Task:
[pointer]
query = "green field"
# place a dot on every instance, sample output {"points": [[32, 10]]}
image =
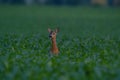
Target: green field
{"points": [[89, 43], [73, 21]]}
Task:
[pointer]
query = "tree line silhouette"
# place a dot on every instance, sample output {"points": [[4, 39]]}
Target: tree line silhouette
{"points": [[59, 2]]}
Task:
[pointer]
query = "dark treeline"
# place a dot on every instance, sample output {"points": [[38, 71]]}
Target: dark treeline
{"points": [[11, 1], [62, 2], [52, 2]]}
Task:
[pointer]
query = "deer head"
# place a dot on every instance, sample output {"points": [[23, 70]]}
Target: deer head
{"points": [[52, 33]]}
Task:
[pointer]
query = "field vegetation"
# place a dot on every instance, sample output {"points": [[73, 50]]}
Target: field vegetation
{"points": [[88, 40]]}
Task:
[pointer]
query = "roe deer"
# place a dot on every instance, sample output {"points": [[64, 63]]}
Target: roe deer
{"points": [[52, 35]]}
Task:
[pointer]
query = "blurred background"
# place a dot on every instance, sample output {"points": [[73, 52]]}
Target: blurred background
{"points": [[73, 17], [63, 2]]}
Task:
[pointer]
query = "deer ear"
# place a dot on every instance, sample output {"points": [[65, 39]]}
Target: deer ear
{"points": [[57, 30], [49, 30]]}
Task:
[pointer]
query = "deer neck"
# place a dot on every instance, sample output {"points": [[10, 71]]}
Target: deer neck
{"points": [[54, 44], [54, 48]]}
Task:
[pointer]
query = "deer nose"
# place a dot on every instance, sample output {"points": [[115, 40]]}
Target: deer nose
{"points": [[50, 36]]}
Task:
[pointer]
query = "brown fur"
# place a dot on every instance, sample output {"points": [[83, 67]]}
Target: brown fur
{"points": [[52, 35]]}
